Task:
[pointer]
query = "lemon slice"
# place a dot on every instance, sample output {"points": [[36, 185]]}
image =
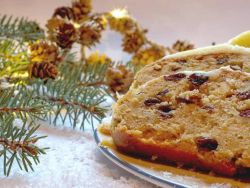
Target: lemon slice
{"points": [[242, 39]]}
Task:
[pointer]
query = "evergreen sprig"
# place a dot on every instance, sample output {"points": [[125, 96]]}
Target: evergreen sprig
{"points": [[20, 102], [17, 143], [70, 100], [20, 29]]}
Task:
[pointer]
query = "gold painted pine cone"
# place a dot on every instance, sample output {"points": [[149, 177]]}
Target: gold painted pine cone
{"points": [[44, 52], [119, 78], [81, 9], [66, 35], [133, 41], [180, 46], [43, 70], [89, 36], [148, 55], [64, 12]]}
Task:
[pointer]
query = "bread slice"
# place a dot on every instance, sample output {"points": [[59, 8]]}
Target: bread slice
{"points": [[207, 58], [196, 118]]}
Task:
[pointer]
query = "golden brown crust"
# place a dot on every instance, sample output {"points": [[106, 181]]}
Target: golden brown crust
{"points": [[132, 145]]}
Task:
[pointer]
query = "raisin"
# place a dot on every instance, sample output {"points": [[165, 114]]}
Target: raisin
{"points": [[165, 110], [209, 108], [183, 100], [244, 95], [222, 60], [162, 93], [245, 113], [175, 77], [152, 101], [191, 100], [206, 144], [198, 79]]}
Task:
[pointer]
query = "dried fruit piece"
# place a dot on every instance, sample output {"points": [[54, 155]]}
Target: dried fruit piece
{"points": [[175, 77], [191, 100], [198, 79], [245, 113], [244, 95], [162, 93], [206, 144], [183, 100], [209, 108], [165, 110], [152, 101]]}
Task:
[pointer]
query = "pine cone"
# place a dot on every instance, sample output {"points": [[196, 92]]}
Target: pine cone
{"points": [[81, 9], [97, 58], [44, 52], [66, 35], [100, 21], [180, 46], [89, 36], [148, 55], [119, 79], [43, 70], [121, 25], [133, 41], [64, 12]]}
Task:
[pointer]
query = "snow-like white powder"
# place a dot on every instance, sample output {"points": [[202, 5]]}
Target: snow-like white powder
{"points": [[72, 161]]}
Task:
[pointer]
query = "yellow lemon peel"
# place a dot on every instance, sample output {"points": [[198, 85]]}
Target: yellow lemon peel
{"points": [[242, 39]]}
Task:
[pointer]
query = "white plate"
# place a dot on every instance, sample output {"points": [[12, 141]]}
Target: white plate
{"points": [[162, 175]]}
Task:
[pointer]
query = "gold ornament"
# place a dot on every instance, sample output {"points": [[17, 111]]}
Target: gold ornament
{"points": [[81, 9], [180, 46], [53, 25], [97, 58], [64, 34], [133, 41], [42, 51], [89, 36], [43, 70], [119, 20], [64, 12], [119, 79], [148, 55]]}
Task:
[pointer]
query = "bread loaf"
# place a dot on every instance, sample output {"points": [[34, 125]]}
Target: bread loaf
{"points": [[198, 118]]}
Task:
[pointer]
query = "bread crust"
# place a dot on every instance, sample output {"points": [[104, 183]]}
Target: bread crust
{"points": [[132, 145]]}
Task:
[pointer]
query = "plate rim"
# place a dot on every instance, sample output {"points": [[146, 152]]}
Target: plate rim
{"points": [[133, 169]]}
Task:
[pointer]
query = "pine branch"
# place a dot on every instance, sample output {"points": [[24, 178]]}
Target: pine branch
{"points": [[71, 101], [94, 84], [60, 101], [20, 102], [18, 144], [19, 29]]}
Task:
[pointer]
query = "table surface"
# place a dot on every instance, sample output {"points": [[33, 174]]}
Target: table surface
{"points": [[73, 160]]}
